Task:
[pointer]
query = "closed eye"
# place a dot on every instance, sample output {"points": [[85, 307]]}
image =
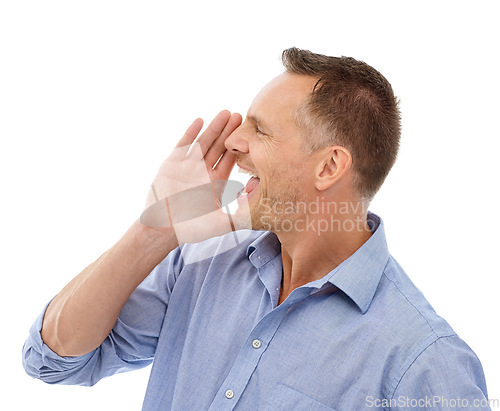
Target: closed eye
{"points": [[259, 131]]}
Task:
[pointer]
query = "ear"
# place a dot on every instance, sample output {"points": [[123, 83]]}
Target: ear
{"points": [[334, 162]]}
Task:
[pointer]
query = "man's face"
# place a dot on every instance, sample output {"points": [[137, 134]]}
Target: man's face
{"points": [[269, 145]]}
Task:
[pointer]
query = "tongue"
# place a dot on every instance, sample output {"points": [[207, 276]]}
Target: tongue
{"points": [[252, 184]]}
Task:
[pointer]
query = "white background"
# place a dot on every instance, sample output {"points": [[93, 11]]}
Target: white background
{"points": [[94, 94]]}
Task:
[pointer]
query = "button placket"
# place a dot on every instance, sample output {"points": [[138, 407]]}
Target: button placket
{"points": [[247, 359]]}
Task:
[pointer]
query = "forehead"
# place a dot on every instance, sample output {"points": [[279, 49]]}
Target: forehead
{"points": [[280, 98]]}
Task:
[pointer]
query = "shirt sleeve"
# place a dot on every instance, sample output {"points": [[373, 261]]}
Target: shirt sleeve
{"points": [[130, 345], [447, 375]]}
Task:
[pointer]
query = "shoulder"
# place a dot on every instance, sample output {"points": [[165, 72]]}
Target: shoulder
{"points": [[410, 308]]}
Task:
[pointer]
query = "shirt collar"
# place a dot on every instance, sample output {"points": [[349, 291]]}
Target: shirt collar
{"points": [[263, 249], [358, 276]]}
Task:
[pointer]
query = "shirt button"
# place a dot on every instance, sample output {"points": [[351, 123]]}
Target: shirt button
{"points": [[229, 394], [256, 343]]}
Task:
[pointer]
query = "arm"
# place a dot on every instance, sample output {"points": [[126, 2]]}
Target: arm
{"points": [[130, 345], [83, 314]]}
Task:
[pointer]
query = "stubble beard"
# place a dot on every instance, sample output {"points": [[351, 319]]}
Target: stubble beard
{"points": [[268, 213]]}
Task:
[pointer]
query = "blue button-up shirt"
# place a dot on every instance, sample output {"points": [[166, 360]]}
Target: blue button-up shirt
{"points": [[363, 336]]}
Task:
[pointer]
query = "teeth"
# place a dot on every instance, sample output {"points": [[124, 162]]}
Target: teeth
{"points": [[242, 170]]}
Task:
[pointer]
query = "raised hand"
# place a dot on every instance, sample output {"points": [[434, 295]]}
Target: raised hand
{"points": [[186, 193]]}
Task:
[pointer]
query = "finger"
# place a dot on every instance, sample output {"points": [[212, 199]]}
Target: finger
{"points": [[191, 133], [224, 167], [185, 143], [213, 130], [218, 148]]}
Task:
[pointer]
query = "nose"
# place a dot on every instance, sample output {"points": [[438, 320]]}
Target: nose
{"points": [[237, 142]]}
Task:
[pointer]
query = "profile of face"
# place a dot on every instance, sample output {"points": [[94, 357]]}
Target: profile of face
{"points": [[270, 146]]}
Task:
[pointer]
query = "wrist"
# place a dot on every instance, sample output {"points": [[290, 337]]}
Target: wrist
{"points": [[153, 239]]}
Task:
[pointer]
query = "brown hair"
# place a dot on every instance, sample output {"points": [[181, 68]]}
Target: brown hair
{"points": [[351, 105]]}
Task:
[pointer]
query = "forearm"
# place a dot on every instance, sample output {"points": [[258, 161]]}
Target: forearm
{"points": [[82, 315]]}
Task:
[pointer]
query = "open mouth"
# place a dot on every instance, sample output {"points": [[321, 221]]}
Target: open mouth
{"points": [[251, 184]]}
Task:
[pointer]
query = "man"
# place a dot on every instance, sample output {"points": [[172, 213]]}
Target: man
{"points": [[308, 311]]}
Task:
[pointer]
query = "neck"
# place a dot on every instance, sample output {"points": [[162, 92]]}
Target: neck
{"points": [[325, 242]]}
